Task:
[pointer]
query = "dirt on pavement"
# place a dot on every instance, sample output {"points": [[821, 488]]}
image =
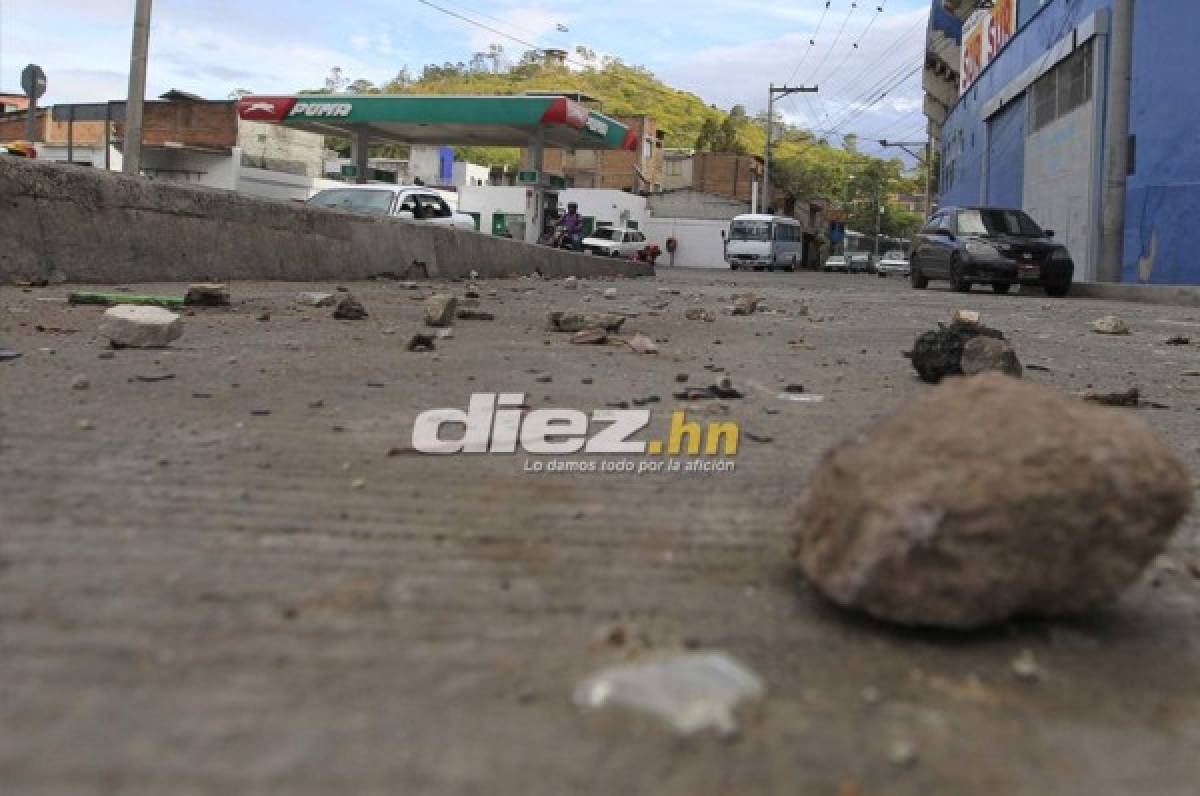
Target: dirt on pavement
{"points": [[222, 572]]}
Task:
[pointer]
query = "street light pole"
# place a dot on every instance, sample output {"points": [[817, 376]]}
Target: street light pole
{"points": [[781, 91], [137, 89]]}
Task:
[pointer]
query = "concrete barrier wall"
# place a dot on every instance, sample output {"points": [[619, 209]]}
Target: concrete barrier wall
{"points": [[69, 223]]}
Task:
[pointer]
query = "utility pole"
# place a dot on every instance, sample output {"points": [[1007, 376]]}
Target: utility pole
{"points": [[137, 89], [781, 91], [928, 161], [878, 220], [1117, 144]]}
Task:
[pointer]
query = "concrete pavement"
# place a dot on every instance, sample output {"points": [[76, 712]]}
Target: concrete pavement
{"points": [[220, 571]]}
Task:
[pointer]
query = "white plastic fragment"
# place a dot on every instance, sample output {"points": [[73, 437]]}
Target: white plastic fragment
{"points": [[691, 691]]}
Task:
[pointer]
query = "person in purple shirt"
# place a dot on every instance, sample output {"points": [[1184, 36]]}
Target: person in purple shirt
{"points": [[572, 224]]}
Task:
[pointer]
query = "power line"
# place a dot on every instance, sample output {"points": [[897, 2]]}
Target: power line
{"points": [[836, 39], [812, 42], [879, 97]]}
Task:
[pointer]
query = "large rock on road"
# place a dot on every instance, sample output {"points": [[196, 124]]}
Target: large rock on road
{"points": [[988, 498]]}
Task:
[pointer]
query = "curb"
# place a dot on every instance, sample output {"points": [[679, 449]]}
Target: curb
{"points": [[1173, 295]]}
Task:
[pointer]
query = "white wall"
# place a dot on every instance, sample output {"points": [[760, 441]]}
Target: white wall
{"points": [[607, 207], [470, 174], [700, 241], [277, 185]]}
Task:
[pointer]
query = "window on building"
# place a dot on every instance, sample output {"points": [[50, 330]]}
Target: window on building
{"points": [[1063, 89], [674, 168]]}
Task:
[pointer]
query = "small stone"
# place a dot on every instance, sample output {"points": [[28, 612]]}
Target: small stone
{"points": [[445, 334], [358, 483], [966, 317], [317, 299], [590, 337], [1026, 667], [84, 424], [439, 310], [349, 309], [610, 293], [571, 283], [474, 315], [264, 317], [902, 753], [132, 326], [700, 314], [1110, 324], [80, 382], [905, 521], [420, 343], [870, 695], [983, 354], [572, 321], [207, 295], [745, 305], [643, 344]]}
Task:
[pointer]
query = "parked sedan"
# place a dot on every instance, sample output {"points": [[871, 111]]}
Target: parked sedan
{"points": [[614, 242], [997, 246], [893, 262], [408, 202], [861, 263], [836, 262]]}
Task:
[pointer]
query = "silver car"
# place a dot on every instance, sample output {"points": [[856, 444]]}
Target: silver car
{"points": [[893, 262], [835, 262]]}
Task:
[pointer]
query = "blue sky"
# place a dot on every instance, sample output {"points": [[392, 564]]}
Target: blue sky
{"points": [[727, 52]]}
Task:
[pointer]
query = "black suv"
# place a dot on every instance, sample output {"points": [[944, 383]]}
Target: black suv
{"points": [[989, 244]]}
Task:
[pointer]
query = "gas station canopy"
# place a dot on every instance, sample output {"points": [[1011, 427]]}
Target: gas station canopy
{"points": [[445, 120]]}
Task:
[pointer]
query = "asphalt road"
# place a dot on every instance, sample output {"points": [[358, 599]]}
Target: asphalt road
{"points": [[214, 578]]}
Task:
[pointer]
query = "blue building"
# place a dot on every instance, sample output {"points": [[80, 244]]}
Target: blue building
{"points": [[1026, 120]]}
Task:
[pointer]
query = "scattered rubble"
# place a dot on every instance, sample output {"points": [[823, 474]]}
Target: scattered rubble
{"points": [[1129, 399], [575, 321], [317, 299], [131, 326], [700, 314], [207, 294], [691, 691], [746, 304], [938, 353], [714, 392], [1097, 498], [349, 309], [983, 354], [421, 342], [590, 337], [1110, 324], [643, 344], [439, 311], [474, 315], [1025, 667]]}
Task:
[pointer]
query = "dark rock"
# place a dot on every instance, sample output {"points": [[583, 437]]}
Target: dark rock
{"points": [[983, 354], [349, 309], [938, 353]]}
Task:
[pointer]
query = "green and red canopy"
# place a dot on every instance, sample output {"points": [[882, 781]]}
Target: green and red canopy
{"points": [[462, 121]]}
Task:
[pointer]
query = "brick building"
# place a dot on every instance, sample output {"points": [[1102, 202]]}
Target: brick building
{"points": [[621, 170], [13, 102]]}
